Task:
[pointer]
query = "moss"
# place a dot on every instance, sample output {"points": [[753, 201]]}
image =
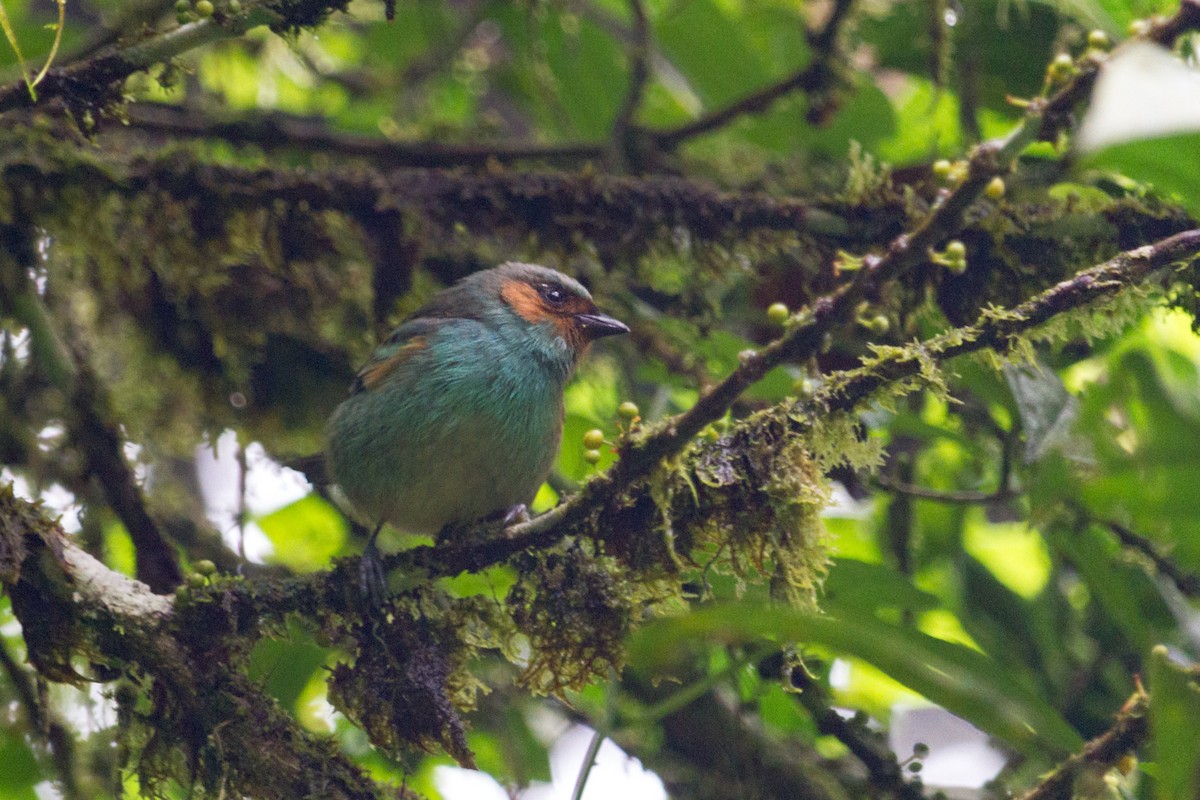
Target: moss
{"points": [[576, 609]]}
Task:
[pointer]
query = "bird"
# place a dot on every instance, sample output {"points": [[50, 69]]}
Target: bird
{"points": [[457, 415]]}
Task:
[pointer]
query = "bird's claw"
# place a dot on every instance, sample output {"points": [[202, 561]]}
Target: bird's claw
{"points": [[372, 582]]}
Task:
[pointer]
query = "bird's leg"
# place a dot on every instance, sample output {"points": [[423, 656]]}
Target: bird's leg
{"points": [[371, 580]]}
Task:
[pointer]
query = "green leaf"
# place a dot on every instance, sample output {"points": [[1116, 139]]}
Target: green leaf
{"points": [[1048, 412], [862, 587], [306, 534], [1171, 164], [709, 47], [1124, 591], [960, 679], [1174, 709], [285, 666], [20, 769]]}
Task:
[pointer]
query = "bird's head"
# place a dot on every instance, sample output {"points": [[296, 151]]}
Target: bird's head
{"points": [[552, 305]]}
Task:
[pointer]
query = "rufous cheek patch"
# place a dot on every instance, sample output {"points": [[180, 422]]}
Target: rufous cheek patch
{"points": [[524, 299]]}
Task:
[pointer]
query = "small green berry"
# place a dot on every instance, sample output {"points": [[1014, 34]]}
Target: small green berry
{"points": [[182, 593], [995, 188], [204, 8], [804, 387], [879, 324], [1139, 27], [942, 167], [1061, 68], [920, 749], [235, 7], [183, 17], [956, 250], [1098, 40], [778, 313], [915, 766], [205, 567], [628, 410], [182, 6], [196, 580], [591, 456], [593, 439]]}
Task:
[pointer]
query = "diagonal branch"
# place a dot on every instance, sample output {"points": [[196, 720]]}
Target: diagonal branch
{"points": [[1127, 734], [816, 78], [90, 418], [1187, 582]]}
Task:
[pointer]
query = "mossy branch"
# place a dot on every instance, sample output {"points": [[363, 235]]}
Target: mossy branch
{"points": [[620, 511], [96, 83], [232, 734], [804, 338], [70, 604]]}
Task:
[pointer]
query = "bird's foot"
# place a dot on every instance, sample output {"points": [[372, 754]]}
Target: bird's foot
{"points": [[518, 513], [481, 530], [372, 582]]}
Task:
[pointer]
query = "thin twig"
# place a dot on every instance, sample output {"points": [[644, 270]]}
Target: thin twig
{"points": [[277, 130], [1187, 582], [92, 82], [589, 761], [883, 770], [1127, 734], [949, 498], [815, 78], [623, 136]]}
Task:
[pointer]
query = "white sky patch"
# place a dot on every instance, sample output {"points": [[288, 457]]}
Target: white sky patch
{"points": [[1143, 92], [615, 774], [268, 487], [960, 755]]}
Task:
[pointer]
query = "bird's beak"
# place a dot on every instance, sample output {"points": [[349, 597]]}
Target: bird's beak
{"points": [[596, 326]]}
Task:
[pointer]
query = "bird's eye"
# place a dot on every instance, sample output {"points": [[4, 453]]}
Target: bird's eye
{"points": [[553, 294]]}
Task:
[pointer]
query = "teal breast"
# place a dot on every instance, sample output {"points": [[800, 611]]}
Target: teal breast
{"points": [[463, 426]]}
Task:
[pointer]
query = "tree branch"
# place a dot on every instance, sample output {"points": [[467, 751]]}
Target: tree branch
{"points": [[816, 78], [1187, 582], [1127, 734], [883, 770], [281, 131], [232, 734], [94, 84]]}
